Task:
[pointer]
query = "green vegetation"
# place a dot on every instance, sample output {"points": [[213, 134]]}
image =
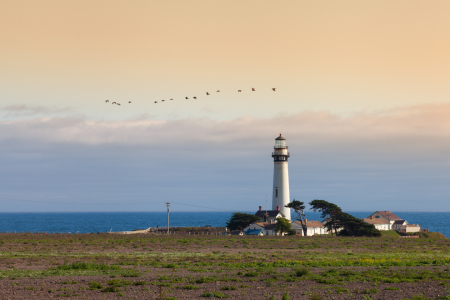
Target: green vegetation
{"points": [[215, 295], [275, 264], [239, 221]]}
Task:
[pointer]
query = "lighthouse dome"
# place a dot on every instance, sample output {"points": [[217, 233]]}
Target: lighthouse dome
{"points": [[280, 142]]}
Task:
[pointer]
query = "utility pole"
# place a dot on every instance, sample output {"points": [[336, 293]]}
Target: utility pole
{"points": [[389, 218], [168, 211]]}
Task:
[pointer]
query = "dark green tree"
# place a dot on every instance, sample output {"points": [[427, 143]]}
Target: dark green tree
{"points": [[299, 209], [239, 221], [336, 218], [283, 226], [356, 227], [330, 211]]}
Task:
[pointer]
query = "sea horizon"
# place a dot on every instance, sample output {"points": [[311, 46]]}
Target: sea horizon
{"points": [[88, 222]]}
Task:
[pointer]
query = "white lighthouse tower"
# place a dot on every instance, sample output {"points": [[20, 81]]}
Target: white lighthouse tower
{"points": [[280, 193]]}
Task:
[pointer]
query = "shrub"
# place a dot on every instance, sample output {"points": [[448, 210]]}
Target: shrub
{"points": [[190, 287], [251, 274], [391, 288], [229, 288], [94, 285], [215, 295], [370, 291], [301, 272], [316, 296], [111, 289], [285, 297], [87, 266]]}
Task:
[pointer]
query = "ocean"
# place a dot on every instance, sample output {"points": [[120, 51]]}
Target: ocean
{"points": [[117, 221]]}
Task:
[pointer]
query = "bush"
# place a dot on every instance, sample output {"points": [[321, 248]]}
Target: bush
{"points": [[111, 289], [370, 291], [190, 287], [229, 288], [94, 285], [285, 297], [215, 295], [87, 266], [301, 272]]}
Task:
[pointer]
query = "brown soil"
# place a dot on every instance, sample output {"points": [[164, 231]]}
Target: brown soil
{"points": [[77, 287]]}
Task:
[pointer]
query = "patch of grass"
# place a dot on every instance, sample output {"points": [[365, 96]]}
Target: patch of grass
{"points": [[251, 274], [370, 291], [228, 288], [118, 282], [391, 288], [111, 289], [215, 295], [30, 288], [87, 266], [69, 282], [301, 272], [140, 283], [94, 285], [189, 287]]}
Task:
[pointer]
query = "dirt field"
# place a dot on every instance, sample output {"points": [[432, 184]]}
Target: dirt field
{"points": [[110, 266]]}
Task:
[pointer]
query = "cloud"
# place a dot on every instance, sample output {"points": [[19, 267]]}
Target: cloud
{"points": [[31, 110], [394, 158]]}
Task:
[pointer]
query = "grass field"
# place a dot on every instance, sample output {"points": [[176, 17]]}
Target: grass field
{"points": [[99, 266]]}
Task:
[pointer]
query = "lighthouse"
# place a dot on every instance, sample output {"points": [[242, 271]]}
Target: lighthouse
{"points": [[280, 193]]}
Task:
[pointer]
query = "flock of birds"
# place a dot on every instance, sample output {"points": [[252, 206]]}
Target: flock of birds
{"points": [[187, 98]]}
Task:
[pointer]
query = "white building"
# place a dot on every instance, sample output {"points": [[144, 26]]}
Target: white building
{"points": [[379, 223], [270, 216], [313, 228], [386, 215], [409, 228], [280, 193]]}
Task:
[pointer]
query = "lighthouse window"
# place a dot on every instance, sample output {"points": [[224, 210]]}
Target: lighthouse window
{"points": [[276, 192]]}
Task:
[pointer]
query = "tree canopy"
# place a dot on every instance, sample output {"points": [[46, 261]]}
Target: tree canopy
{"points": [[299, 209], [336, 218], [356, 227], [283, 226], [239, 221], [330, 211]]}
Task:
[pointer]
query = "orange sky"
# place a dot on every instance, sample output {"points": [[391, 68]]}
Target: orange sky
{"points": [[341, 56]]}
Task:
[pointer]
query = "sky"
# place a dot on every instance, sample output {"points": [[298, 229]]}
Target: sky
{"points": [[362, 96]]}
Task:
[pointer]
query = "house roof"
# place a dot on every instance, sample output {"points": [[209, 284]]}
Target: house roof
{"points": [[315, 224], [375, 221], [413, 225], [270, 213], [270, 226], [399, 222], [235, 232], [389, 215], [262, 224], [253, 231]]}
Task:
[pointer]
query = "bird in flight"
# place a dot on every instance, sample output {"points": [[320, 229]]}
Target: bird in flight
{"points": [[156, 101], [186, 98], [107, 101], [239, 91], [217, 91], [253, 89], [207, 94], [129, 101], [163, 100], [273, 89], [114, 103], [195, 98], [171, 99], [118, 103]]}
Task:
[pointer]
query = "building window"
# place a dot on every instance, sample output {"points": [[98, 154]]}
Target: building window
{"points": [[276, 192]]}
